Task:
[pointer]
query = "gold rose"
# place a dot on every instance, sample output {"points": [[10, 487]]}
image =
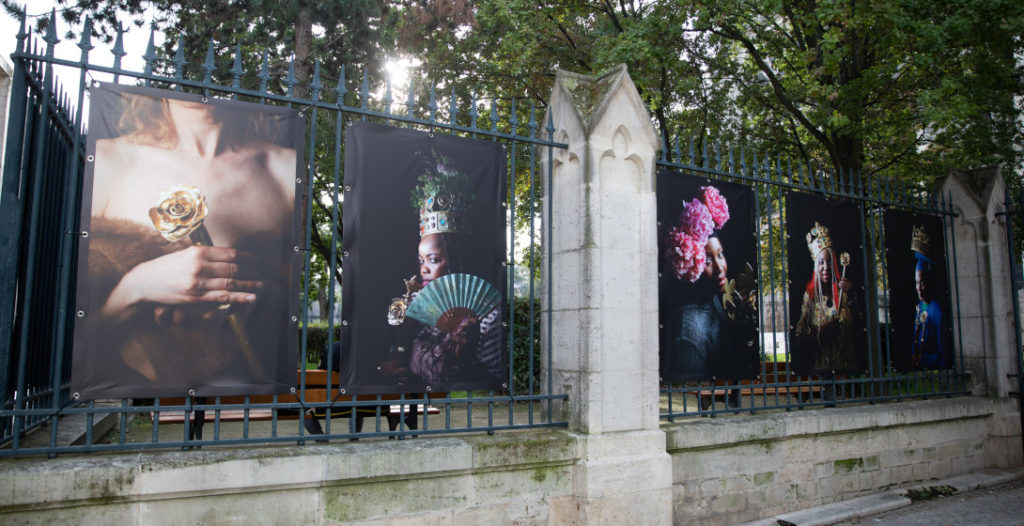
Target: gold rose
{"points": [[180, 212]]}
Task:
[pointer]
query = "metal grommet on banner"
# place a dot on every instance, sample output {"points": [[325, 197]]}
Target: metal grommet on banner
{"points": [[296, 248], [430, 134], [90, 158], [75, 396], [504, 385], [81, 313], [204, 99], [85, 233], [291, 390], [344, 253], [428, 388], [295, 318], [348, 188], [191, 392], [344, 322], [504, 324], [95, 83], [298, 180], [301, 114], [341, 390]]}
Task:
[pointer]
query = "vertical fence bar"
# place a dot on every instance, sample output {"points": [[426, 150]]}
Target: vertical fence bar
{"points": [[1008, 214]]}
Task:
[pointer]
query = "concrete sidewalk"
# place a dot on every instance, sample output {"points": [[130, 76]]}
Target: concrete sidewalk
{"points": [[999, 501]]}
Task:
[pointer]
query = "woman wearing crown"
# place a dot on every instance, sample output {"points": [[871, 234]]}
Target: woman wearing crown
{"points": [[930, 346], [827, 321], [458, 345]]}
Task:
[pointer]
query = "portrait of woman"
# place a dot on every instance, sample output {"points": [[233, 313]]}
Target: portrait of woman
{"points": [[186, 276], [708, 293], [426, 309], [829, 332]]}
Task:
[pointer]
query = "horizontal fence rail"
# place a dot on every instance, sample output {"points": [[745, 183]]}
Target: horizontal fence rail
{"points": [[42, 203], [776, 387]]}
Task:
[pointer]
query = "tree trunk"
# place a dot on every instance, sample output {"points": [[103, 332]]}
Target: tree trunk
{"points": [[303, 48]]}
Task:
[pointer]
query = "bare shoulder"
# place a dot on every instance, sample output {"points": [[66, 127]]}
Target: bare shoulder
{"points": [[112, 158]]}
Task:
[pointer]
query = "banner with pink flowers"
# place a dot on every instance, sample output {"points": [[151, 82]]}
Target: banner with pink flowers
{"points": [[825, 261], [190, 246], [708, 286]]}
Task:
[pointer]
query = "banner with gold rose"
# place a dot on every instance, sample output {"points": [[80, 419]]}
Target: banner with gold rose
{"points": [[186, 275], [424, 300]]}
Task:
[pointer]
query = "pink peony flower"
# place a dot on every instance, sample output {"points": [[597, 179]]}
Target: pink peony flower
{"points": [[686, 254], [716, 204], [697, 221]]}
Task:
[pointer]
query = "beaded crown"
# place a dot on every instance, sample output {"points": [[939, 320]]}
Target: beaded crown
{"points": [[920, 241], [818, 239], [441, 197]]}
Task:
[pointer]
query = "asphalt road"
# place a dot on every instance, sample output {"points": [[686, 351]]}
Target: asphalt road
{"points": [[995, 506]]}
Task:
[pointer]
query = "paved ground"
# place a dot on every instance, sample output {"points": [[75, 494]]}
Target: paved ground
{"points": [[996, 506], [993, 497]]}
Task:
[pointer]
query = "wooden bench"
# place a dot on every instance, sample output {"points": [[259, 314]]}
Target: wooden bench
{"points": [[773, 373], [316, 391]]}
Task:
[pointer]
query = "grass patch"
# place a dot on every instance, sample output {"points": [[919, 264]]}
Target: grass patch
{"points": [[930, 492]]}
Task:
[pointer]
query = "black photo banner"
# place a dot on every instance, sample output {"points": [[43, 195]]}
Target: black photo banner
{"points": [[826, 285], [708, 285], [186, 278], [919, 297], [424, 295]]}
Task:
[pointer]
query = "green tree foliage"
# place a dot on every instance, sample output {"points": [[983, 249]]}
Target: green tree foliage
{"points": [[909, 88]]}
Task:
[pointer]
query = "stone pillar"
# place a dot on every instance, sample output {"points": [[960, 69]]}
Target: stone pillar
{"points": [[604, 300], [983, 266], [6, 70]]}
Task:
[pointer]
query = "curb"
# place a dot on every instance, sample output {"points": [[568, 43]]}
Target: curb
{"points": [[887, 501]]}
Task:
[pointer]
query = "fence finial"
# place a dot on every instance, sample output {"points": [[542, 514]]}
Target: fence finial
{"points": [[494, 114], [387, 95], [473, 113], [340, 90], [290, 79], [22, 32], [150, 56], [431, 102], [264, 74], [410, 100], [315, 85], [364, 91], [513, 122], [533, 123], [85, 43], [51, 34], [208, 64], [236, 70], [453, 109], [179, 61], [118, 50]]}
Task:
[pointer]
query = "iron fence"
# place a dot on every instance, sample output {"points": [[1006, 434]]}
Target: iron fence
{"points": [[777, 387], [39, 233]]}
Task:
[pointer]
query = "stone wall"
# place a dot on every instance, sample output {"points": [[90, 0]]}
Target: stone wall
{"points": [[521, 477], [724, 470], [736, 469]]}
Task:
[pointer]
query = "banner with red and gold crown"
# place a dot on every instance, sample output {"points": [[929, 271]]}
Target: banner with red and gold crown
{"points": [[827, 306]]}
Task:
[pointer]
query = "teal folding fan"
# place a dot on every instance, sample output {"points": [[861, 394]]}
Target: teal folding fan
{"points": [[446, 301]]}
